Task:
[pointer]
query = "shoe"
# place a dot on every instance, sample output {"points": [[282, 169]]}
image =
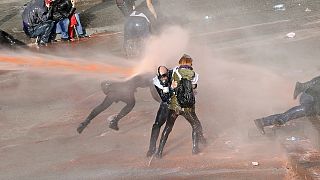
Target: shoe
{"points": [[297, 90], [202, 140], [195, 150], [81, 127], [42, 43], [83, 36], [151, 152], [158, 155], [114, 125], [260, 126], [65, 39]]}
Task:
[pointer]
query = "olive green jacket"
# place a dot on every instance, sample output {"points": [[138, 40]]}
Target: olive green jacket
{"points": [[185, 73]]}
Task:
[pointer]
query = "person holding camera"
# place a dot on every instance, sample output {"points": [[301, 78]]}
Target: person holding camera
{"points": [[37, 20]]}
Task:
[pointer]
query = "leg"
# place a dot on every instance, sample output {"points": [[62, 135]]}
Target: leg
{"points": [[195, 131], [97, 110], [280, 119], [43, 30], [124, 111], [62, 27], [172, 116], [161, 118], [202, 139], [79, 26]]}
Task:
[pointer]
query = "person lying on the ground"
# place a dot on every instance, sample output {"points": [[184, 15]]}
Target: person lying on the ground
{"points": [[309, 106], [162, 83], [120, 91], [37, 20], [8, 41], [182, 102], [63, 15]]}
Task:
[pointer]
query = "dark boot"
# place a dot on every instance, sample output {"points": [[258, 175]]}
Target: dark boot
{"points": [[160, 149], [153, 140], [260, 125], [202, 139], [114, 124], [301, 87], [195, 143], [82, 126], [297, 90]]}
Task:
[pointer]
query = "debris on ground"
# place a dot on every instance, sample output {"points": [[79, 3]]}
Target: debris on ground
{"points": [[279, 7], [291, 35]]}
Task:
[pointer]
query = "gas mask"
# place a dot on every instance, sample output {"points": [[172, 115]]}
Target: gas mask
{"points": [[164, 79]]}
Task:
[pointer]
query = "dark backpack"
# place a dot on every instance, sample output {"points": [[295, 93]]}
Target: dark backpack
{"points": [[184, 93]]}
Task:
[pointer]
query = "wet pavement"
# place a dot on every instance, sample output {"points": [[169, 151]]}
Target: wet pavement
{"points": [[248, 68]]}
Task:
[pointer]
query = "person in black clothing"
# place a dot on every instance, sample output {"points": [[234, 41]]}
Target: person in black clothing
{"points": [[37, 20], [162, 83], [309, 105], [120, 91]]}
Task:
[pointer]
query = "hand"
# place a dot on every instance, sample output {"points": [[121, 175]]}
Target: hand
{"points": [[174, 84]]}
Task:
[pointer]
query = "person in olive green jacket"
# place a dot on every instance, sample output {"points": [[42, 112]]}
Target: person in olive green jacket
{"points": [[184, 70]]}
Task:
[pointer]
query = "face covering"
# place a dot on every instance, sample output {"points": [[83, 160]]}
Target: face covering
{"points": [[163, 81]]}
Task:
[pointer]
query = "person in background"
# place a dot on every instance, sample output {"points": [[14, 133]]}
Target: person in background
{"points": [[309, 105], [66, 19], [37, 20]]}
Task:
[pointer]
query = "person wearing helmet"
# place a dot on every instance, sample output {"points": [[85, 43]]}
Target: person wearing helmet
{"points": [[309, 105], [183, 73], [37, 20], [162, 83]]}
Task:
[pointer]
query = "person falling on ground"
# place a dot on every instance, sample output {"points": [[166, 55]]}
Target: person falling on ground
{"points": [[309, 105], [37, 20], [120, 91]]}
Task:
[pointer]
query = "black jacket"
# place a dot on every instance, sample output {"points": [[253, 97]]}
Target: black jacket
{"points": [[165, 96], [62, 9], [36, 13]]}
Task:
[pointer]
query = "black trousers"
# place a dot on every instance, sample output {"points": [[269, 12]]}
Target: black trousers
{"points": [[161, 118], [43, 31], [192, 118], [306, 108], [130, 103]]}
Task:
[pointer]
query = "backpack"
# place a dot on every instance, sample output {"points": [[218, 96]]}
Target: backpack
{"points": [[184, 92]]}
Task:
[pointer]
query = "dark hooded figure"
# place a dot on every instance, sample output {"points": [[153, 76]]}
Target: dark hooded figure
{"points": [[37, 20], [120, 91], [309, 105]]}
